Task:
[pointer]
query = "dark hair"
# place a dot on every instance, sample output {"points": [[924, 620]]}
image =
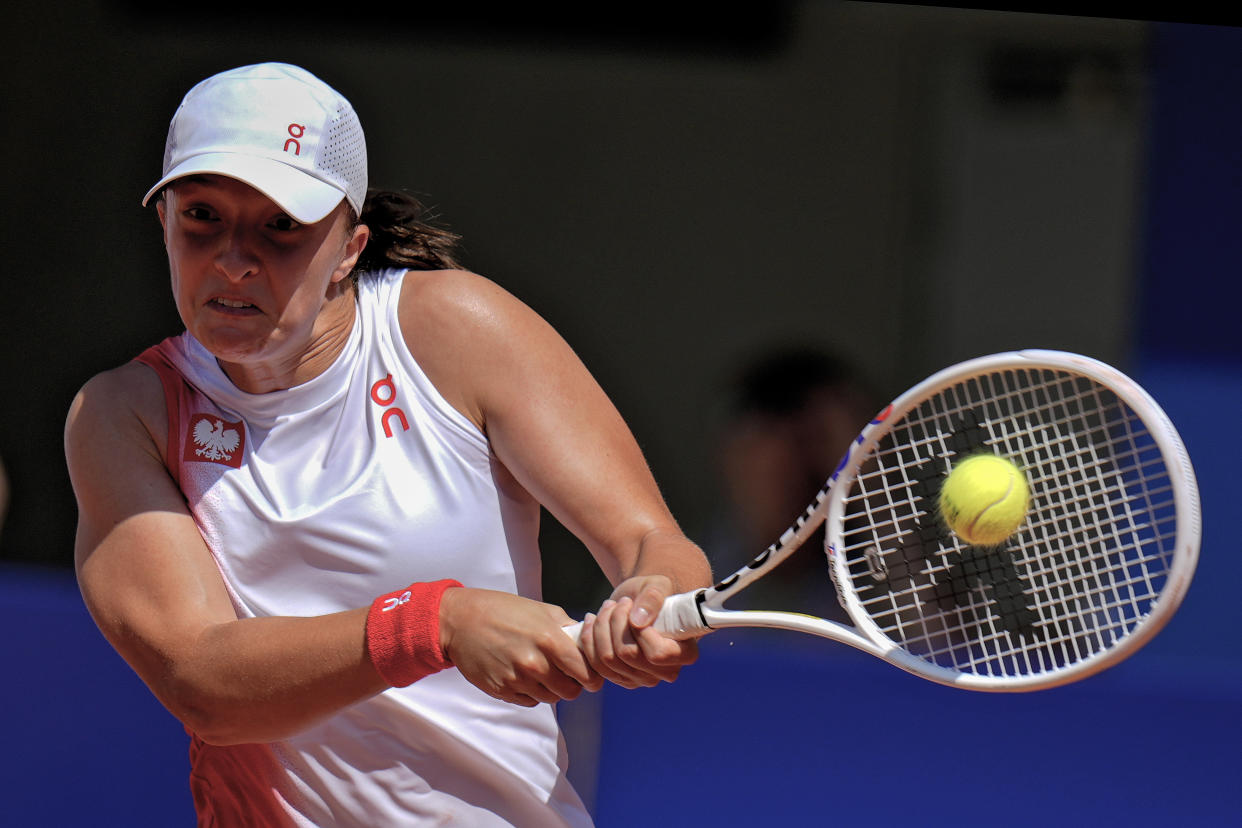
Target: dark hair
{"points": [[403, 235]]}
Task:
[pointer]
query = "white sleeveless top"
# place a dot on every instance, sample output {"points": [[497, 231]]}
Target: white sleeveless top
{"points": [[319, 498]]}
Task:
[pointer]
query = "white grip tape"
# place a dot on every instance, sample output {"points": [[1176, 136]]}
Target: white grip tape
{"points": [[678, 618]]}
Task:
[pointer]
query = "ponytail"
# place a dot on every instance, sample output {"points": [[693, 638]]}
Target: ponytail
{"points": [[403, 237]]}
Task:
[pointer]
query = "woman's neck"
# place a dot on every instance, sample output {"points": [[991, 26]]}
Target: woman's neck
{"points": [[327, 340]]}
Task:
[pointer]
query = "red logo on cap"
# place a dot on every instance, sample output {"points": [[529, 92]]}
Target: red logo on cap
{"points": [[301, 130]]}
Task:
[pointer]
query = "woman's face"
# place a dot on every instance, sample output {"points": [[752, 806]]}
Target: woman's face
{"points": [[253, 285]]}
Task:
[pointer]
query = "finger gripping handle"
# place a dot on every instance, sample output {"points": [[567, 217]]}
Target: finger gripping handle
{"points": [[679, 618]]}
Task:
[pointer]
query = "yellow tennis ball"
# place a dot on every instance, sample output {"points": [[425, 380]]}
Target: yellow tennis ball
{"points": [[985, 499]]}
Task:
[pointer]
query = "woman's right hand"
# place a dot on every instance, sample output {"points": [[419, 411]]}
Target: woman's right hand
{"points": [[513, 648]]}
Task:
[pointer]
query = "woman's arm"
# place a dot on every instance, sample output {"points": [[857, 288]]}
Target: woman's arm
{"points": [[563, 440], [153, 588]]}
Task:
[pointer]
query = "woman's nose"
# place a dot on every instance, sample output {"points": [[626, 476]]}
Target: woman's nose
{"points": [[235, 258]]}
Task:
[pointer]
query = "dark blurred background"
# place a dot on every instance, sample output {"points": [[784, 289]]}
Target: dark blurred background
{"points": [[677, 188], [680, 188]]}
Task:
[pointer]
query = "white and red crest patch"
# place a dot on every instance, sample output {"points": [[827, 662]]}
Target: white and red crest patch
{"points": [[212, 440]]}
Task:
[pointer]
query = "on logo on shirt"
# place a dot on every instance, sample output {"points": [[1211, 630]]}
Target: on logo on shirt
{"points": [[384, 394]]}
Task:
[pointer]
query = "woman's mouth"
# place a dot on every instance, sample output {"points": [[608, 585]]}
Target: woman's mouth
{"points": [[233, 306]]}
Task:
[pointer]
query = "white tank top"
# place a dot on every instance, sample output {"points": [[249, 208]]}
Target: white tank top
{"points": [[319, 498]]}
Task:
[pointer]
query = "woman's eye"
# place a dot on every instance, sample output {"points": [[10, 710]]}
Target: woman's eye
{"points": [[198, 213], [284, 223]]}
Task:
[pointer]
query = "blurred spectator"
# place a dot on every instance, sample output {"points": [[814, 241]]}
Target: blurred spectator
{"points": [[792, 413]]}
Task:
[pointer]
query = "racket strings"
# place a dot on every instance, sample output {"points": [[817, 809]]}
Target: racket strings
{"points": [[1084, 568]]}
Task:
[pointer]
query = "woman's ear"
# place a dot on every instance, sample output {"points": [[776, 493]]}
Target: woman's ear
{"points": [[354, 245]]}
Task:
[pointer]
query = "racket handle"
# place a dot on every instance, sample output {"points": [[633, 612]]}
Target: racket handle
{"points": [[574, 631], [679, 618]]}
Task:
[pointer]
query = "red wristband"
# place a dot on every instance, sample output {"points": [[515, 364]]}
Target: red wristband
{"points": [[403, 633]]}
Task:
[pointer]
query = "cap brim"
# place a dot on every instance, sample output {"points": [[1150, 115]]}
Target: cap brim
{"points": [[301, 195]]}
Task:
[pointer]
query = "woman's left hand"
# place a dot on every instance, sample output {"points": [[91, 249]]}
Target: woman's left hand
{"points": [[621, 644]]}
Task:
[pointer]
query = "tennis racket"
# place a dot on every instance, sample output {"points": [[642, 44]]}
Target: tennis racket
{"points": [[1099, 565]]}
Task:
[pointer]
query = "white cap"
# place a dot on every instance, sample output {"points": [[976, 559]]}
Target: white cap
{"points": [[277, 128]]}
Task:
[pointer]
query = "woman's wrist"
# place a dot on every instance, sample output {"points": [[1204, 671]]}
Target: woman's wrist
{"points": [[403, 633]]}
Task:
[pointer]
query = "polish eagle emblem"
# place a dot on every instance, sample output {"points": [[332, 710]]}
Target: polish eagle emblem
{"points": [[214, 440]]}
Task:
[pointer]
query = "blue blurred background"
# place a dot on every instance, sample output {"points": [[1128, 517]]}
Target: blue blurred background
{"points": [[904, 186]]}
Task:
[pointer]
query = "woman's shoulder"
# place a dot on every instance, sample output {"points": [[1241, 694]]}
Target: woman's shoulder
{"points": [[130, 385], [467, 333], [462, 290], [459, 305], [125, 402]]}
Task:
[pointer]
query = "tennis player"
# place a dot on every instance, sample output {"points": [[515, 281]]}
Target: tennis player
{"points": [[309, 522]]}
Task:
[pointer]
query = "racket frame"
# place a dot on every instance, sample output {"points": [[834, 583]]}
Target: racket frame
{"points": [[701, 611]]}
